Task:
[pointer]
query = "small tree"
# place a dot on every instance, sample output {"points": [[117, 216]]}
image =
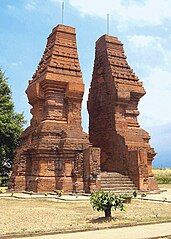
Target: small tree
{"points": [[105, 201], [11, 124]]}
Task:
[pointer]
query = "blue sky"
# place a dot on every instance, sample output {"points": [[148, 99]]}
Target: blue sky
{"points": [[143, 26]]}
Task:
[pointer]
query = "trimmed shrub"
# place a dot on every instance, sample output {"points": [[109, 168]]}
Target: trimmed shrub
{"points": [[106, 201]]}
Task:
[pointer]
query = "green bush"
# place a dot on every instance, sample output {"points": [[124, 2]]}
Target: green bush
{"points": [[163, 176], [127, 198], [59, 193], [4, 181], [163, 179], [105, 201]]}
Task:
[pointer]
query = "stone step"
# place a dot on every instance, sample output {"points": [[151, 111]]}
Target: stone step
{"points": [[129, 192], [118, 188], [111, 173], [114, 176], [116, 185], [116, 182], [116, 179]]}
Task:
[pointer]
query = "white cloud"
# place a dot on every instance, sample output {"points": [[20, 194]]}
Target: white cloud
{"points": [[16, 64], [57, 1], [30, 6], [95, 7], [10, 7], [141, 41], [152, 48], [148, 51], [85, 98], [155, 106], [148, 12]]}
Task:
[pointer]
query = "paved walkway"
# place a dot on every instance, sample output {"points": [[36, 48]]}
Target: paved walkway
{"points": [[163, 196], [135, 232], [51, 197]]}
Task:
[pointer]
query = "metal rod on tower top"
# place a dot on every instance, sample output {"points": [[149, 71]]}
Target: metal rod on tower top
{"points": [[108, 22], [62, 12]]}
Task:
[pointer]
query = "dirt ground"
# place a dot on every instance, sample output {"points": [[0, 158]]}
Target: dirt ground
{"points": [[40, 215]]}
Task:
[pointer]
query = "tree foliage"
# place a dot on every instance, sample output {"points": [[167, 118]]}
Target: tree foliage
{"points": [[105, 201], [11, 126]]}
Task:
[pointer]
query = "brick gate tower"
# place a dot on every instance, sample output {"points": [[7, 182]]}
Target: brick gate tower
{"points": [[55, 153], [112, 105]]}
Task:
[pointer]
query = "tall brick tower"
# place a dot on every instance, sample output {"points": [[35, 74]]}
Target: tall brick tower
{"points": [[112, 105], [55, 153]]}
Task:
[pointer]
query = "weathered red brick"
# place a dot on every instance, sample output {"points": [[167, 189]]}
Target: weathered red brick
{"points": [[51, 154], [112, 105]]}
